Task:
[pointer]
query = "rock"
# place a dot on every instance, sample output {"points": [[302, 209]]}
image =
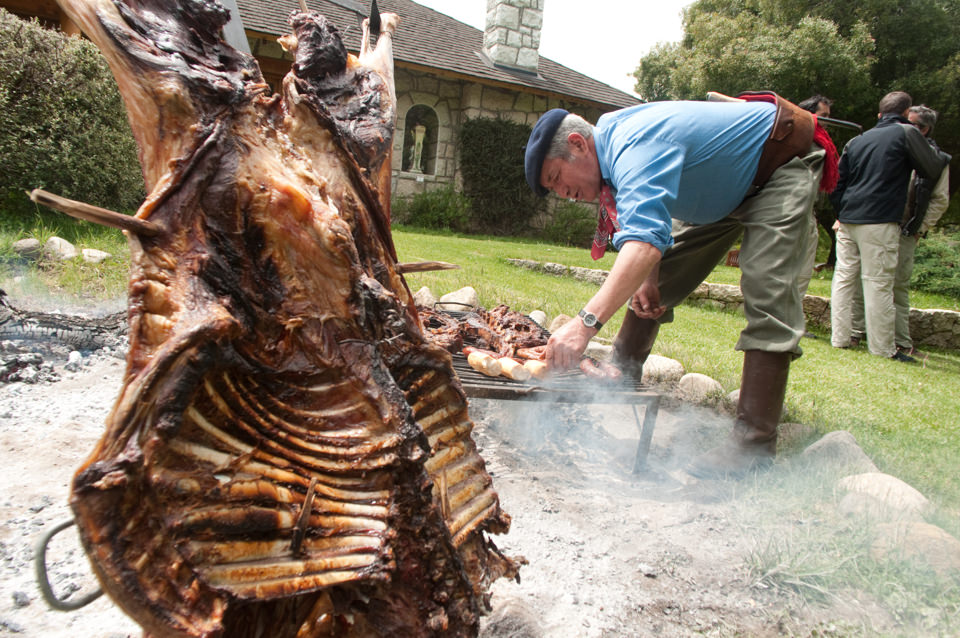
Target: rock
{"points": [[555, 269], [29, 248], [699, 388], [894, 495], [866, 506], [94, 256], [74, 361], [540, 317], [663, 370], [839, 448], [558, 322], [424, 298], [59, 249], [589, 275], [463, 300], [11, 626], [918, 540], [598, 351], [20, 599]]}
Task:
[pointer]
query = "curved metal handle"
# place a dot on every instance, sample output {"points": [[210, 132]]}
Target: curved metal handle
{"points": [[40, 566]]}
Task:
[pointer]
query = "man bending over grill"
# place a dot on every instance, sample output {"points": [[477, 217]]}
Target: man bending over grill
{"points": [[686, 179]]}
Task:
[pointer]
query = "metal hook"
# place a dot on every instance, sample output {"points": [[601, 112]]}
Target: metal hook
{"points": [[46, 589]]}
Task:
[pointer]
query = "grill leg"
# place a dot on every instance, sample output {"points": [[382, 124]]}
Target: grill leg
{"points": [[646, 432]]}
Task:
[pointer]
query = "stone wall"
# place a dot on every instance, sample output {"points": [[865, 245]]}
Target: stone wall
{"points": [[937, 328], [455, 101]]}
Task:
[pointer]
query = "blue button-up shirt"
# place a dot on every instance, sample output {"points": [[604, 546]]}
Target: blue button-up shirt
{"points": [[693, 161]]}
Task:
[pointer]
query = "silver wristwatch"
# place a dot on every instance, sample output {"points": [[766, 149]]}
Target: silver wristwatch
{"points": [[589, 319]]}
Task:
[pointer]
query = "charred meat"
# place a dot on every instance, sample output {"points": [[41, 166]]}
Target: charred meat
{"points": [[289, 456]]}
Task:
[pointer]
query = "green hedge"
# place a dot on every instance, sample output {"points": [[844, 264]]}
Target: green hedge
{"points": [[936, 265], [439, 209], [572, 224], [491, 162], [63, 126]]}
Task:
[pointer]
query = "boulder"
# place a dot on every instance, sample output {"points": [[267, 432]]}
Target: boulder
{"points": [[59, 249], [661, 370], [94, 256], [464, 300], [555, 269], [424, 298], [558, 322], [893, 494], [918, 540], [699, 388], [540, 317], [599, 351], [28, 248], [840, 449]]}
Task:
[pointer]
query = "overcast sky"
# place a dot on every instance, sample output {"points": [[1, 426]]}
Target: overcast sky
{"points": [[605, 44]]}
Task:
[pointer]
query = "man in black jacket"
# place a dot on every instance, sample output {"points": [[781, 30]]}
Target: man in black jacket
{"points": [[869, 199]]}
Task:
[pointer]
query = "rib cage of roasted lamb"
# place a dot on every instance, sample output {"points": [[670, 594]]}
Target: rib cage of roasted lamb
{"points": [[288, 456]]}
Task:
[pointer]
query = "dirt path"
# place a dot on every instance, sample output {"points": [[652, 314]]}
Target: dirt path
{"points": [[610, 553]]}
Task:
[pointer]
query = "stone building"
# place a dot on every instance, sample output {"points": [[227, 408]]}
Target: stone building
{"points": [[446, 71]]}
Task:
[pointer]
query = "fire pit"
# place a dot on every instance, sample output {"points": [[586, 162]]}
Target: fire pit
{"points": [[568, 387]]}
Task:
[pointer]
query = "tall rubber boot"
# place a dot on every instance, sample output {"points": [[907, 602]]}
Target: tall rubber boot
{"points": [[753, 442], [633, 344]]}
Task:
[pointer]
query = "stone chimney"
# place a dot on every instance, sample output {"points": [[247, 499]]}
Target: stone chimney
{"points": [[512, 36]]}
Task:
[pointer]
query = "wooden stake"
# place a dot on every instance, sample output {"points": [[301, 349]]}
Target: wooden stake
{"points": [[426, 266], [300, 529], [96, 214]]}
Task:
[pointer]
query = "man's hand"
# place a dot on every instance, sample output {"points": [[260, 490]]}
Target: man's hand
{"points": [[567, 344], [646, 301]]}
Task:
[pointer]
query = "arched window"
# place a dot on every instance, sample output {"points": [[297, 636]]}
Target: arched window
{"points": [[420, 140]]}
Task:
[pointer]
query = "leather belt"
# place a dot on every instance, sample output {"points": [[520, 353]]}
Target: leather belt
{"points": [[791, 136]]}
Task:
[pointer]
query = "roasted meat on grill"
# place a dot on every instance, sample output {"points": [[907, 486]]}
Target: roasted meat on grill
{"points": [[288, 455]]}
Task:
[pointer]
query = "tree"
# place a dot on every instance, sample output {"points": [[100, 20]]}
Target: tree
{"points": [[63, 126], [731, 53], [853, 52]]}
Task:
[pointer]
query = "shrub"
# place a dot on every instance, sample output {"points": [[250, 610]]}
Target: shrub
{"points": [[936, 266], [491, 162], [63, 126], [440, 208], [572, 225]]}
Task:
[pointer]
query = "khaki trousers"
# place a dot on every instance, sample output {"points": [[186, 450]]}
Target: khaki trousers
{"points": [[901, 297], [867, 257], [810, 257], [776, 232]]}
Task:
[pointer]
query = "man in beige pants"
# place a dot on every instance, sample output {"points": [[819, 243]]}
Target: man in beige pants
{"points": [[869, 199], [926, 202]]}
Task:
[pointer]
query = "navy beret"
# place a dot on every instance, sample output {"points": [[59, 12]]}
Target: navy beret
{"points": [[538, 145]]}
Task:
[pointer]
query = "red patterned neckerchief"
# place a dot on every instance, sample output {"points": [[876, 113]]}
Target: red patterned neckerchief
{"points": [[607, 223]]}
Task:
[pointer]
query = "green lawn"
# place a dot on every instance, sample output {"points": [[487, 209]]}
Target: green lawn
{"points": [[906, 417]]}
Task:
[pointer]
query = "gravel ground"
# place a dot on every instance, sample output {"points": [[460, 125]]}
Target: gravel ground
{"points": [[611, 554]]}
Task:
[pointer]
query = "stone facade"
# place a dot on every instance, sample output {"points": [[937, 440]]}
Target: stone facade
{"points": [[512, 35], [444, 104]]}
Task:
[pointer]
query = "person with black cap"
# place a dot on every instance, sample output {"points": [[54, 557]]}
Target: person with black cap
{"points": [[687, 178]]}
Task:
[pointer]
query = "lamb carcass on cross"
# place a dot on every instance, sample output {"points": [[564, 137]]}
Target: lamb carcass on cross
{"points": [[288, 456]]}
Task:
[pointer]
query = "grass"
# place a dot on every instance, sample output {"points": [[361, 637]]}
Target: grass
{"points": [[802, 544], [906, 418]]}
